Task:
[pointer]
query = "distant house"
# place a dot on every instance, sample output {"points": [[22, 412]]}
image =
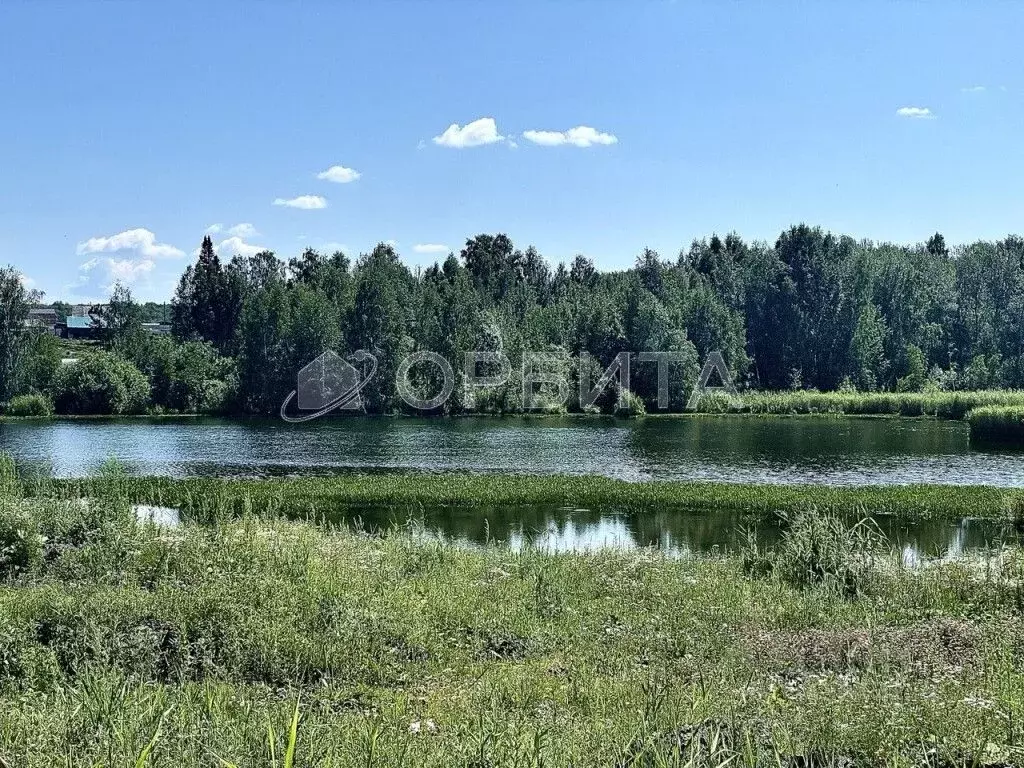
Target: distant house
{"points": [[43, 319], [83, 327], [160, 329]]}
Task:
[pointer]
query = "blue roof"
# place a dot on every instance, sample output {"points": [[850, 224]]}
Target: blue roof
{"points": [[79, 321]]}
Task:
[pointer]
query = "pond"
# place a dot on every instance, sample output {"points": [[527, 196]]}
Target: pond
{"points": [[836, 451], [678, 531]]}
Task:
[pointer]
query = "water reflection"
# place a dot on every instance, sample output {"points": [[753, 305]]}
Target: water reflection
{"points": [[757, 450], [674, 530]]}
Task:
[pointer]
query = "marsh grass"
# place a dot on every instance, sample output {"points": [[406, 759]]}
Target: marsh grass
{"points": [[941, 404], [211, 500], [997, 425], [245, 638], [251, 640], [819, 549]]}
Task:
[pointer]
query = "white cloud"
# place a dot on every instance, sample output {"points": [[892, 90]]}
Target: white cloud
{"points": [[100, 274], [475, 134], [580, 136], [920, 113], [974, 89], [142, 241], [243, 230], [235, 246], [430, 248], [339, 174], [213, 229], [305, 202], [26, 281]]}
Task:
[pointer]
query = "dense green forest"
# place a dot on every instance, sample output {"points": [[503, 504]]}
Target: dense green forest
{"points": [[814, 310]]}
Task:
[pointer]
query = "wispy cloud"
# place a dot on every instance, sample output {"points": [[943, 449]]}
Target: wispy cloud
{"points": [[580, 136], [141, 241], [339, 174], [474, 134], [917, 113], [430, 248], [305, 202], [213, 229], [974, 89]]}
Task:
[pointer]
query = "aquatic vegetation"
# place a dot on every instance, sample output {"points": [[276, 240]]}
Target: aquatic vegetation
{"points": [[210, 499], [997, 425], [820, 549], [942, 404]]}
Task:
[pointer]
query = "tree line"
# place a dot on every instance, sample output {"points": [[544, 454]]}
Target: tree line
{"points": [[813, 310]]}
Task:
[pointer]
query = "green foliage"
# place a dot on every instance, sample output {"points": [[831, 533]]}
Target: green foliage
{"points": [[821, 549], [997, 425], [15, 301], [258, 641], [810, 311], [629, 405], [916, 374], [21, 543], [100, 383], [29, 405]]}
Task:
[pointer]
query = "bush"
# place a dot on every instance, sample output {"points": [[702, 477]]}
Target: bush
{"points": [[819, 549], [997, 425], [629, 404], [101, 383], [21, 544], [29, 405]]}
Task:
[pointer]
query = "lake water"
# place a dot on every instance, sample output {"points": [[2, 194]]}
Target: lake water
{"points": [[836, 451]]}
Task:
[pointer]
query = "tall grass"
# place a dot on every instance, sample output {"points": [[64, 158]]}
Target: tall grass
{"points": [[997, 425], [258, 641], [947, 405], [211, 500]]}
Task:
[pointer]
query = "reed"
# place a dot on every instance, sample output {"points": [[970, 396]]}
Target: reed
{"points": [[940, 404], [211, 500], [997, 425]]}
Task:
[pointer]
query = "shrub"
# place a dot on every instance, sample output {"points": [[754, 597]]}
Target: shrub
{"points": [[101, 383], [629, 404], [997, 425], [21, 544], [819, 549], [29, 405]]}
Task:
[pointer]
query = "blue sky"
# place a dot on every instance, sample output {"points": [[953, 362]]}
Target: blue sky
{"points": [[129, 129]]}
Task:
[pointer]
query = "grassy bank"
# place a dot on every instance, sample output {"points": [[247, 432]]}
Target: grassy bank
{"points": [[947, 405], [997, 425], [938, 404], [321, 498], [127, 644]]}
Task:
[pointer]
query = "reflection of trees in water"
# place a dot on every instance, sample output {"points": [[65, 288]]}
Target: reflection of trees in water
{"points": [[673, 529], [772, 439]]}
